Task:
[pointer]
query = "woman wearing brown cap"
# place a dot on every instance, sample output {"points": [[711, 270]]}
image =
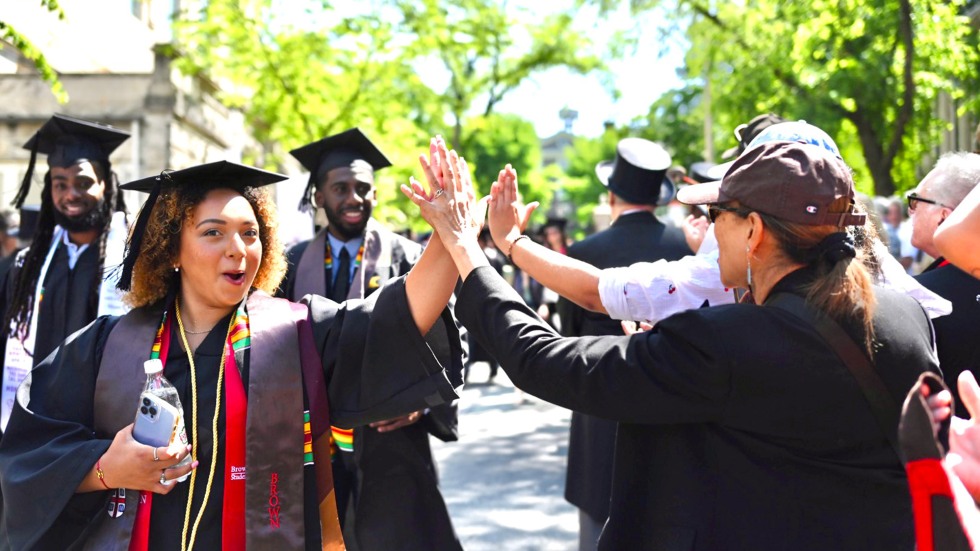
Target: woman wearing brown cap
{"points": [[740, 426]]}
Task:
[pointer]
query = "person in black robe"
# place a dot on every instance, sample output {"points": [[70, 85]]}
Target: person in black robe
{"points": [[387, 485], [189, 269], [79, 201], [740, 426]]}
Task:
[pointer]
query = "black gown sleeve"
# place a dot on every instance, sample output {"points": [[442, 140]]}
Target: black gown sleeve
{"points": [[376, 364], [677, 373], [49, 446]]}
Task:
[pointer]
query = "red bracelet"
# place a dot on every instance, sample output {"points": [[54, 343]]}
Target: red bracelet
{"points": [[100, 474]]}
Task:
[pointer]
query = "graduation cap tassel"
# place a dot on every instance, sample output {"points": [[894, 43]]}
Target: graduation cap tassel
{"points": [[305, 202], [25, 186], [136, 239]]}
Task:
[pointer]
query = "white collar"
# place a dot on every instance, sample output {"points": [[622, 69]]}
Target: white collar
{"points": [[74, 251]]}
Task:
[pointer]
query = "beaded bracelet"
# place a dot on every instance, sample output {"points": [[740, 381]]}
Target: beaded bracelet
{"points": [[510, 251], [100, 473]]}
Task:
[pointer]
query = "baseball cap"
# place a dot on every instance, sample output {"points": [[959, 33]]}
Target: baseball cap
{"points": [[791, 181]]}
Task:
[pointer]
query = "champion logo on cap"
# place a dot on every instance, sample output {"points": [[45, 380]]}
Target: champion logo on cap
{"points": [[812, 209]]}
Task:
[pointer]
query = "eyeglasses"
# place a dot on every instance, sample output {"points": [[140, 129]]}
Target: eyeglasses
{"points": [[914, 199], [715, 210]]}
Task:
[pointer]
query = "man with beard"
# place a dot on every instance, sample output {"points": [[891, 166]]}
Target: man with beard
{"points": [[80, 237], [385, 480]]}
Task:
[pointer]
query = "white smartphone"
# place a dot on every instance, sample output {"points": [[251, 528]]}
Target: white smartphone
{"points": [[156, 421]]}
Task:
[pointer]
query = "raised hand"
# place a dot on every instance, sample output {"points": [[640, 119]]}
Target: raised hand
{"points": [[449, 205], [507, 215]]}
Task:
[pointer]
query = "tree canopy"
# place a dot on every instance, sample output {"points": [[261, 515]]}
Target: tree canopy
{"points": [[299, 82], [869, 72]]}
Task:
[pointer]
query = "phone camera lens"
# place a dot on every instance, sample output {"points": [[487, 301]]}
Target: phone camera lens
{"points": [[143, 410], [146, 401], [153, 411]]}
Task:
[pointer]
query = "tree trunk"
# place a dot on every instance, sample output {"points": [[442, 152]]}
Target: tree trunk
{"points": [[879, 164]]}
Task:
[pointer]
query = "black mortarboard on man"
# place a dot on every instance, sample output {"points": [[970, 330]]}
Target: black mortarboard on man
{"points": [[68, 141], [205, 177], [350, 149]]}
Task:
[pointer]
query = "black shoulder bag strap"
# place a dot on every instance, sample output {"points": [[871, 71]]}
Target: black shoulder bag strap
{"points": [[883, 404]]}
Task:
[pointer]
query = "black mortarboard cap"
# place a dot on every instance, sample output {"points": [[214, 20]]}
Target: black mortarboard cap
{"points": [[217, 174], [349, 148], [67, 141]]}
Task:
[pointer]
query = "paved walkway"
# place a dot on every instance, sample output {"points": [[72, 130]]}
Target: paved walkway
{"points": [[504, 480]]}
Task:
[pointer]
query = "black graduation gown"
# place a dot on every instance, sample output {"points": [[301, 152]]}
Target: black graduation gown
{"points": [[44, 512], [67, 305]]}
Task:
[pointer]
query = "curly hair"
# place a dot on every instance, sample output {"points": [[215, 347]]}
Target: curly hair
{"points": [[153, 274]]}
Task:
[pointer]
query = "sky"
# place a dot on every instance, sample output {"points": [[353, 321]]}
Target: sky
{"points": [[641, 76]]}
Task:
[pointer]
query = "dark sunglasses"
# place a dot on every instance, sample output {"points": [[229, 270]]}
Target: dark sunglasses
{"points": [[914, 199], [715, 210]]}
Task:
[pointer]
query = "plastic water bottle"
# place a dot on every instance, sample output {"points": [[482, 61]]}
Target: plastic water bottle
{"points": [[158, 385]]}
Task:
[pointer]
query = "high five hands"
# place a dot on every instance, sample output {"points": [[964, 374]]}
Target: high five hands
{"points": [[449, 205]]}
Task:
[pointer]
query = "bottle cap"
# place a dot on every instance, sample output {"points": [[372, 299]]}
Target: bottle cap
{"points": [[153, 366]]}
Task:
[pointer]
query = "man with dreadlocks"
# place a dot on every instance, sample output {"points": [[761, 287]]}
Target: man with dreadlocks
{"points": [[63, 280]]}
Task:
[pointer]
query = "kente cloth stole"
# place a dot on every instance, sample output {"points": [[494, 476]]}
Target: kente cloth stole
{"points": [[271, 513], [328, 262]]}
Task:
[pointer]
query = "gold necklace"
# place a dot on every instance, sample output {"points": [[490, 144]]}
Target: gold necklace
{"points": [[186, 545]]}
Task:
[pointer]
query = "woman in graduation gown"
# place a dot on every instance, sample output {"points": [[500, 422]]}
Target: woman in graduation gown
{"points": [[739, 426], [263, 382]]}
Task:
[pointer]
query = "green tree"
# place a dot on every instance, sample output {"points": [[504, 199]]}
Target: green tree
{"points": [[32, 54], [495, 140], [675, 121], [297, 85], [868, 72], [488, 53], [299, 79]]}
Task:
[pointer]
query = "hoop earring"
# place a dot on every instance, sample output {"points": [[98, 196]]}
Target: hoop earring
{"points": [[748, 263]]}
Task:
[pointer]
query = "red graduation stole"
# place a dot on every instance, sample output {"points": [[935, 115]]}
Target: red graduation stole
{"points": [[236, 414]]}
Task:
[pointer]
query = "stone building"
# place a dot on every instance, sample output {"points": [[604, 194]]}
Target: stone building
{"points": [[114, 65]]}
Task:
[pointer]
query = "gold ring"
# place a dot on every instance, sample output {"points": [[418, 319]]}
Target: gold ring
{"points": [[155, 457]]}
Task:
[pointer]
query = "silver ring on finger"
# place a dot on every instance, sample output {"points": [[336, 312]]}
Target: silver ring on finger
{"points": [[439, 192], [155, 456], [163, 478]]}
